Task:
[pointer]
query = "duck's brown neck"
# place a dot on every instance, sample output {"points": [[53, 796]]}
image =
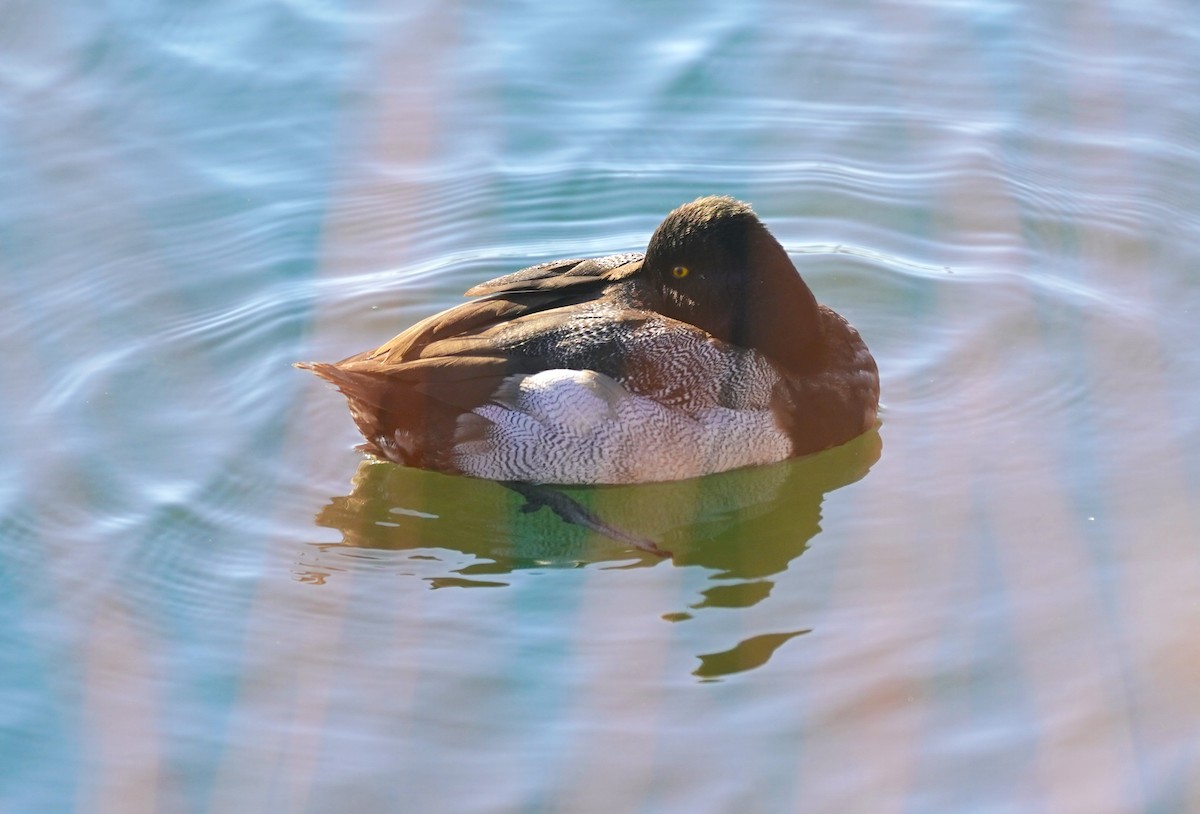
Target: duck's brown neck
{"points": [[783, 320], [747, 293], [772, 309]]}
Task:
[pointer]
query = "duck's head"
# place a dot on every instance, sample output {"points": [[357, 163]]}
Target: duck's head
{"points": [[714, 265]]}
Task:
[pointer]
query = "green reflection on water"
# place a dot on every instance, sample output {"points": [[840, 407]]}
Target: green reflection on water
{"points": [[746, 655], [741, 525], [737, 595]]}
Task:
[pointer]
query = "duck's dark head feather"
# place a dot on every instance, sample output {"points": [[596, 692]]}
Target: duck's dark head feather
{"points": [[714, 264]]}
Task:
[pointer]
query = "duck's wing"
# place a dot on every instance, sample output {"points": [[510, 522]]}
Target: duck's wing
{"points": [[506, 299], [559, 274], [407, 394], [463, 322]]}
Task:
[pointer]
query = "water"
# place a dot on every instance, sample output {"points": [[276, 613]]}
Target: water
{"points": [[212, 604]]}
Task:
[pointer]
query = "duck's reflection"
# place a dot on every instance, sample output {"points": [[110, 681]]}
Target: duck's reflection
{"points": [[743, 526], [746, 524]]}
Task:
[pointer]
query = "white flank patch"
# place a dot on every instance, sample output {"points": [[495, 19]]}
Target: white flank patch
{"points": [[579, 426]]}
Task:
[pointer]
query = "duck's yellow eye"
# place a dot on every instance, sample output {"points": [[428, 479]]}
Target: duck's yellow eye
{"points": [[679, 272]]}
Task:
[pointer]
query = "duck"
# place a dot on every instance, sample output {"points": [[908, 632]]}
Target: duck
{"points": [[704, 353]]}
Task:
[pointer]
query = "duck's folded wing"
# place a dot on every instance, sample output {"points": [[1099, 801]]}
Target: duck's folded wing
{"points": [[459, 359], [559, 274], [466, 320]]}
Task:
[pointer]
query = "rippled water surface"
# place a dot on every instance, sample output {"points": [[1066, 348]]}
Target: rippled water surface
{"points": [[212, 603]]}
